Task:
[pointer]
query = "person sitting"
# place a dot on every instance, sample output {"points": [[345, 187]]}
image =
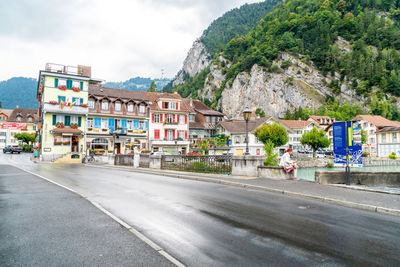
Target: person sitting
{"points": [[288, 164]]}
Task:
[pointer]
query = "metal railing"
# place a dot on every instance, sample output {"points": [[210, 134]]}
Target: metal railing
{"points": [[193, 163]]}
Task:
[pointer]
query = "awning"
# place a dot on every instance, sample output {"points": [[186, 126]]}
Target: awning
{"points": [[66, 131]]}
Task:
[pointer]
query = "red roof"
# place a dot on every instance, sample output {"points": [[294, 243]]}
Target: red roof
{"points": [[154, 97], [295, 123], [376, 120]]}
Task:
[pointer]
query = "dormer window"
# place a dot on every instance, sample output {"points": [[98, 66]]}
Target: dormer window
{"points": [[173, 105], [29, 118], [91, 103], [117, 106], [142, 109], [130, 107], [166, 105], [104, 105], [19, 118]]}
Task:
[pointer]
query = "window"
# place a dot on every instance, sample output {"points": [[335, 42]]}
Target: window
{"points": [[130, 124], [169, 118], [394, 138], [60, 118], [157, 118], [169, 135], [30, 119], [19, 118], [166, 105], [143, 145], [191, 118], [383, 138], [104, 123], [74, 119], [117, 106], [237, 140], [182, 134], [156, 134], [142, 109], [130, 108], [90, 122], [213, 119], [91, 103], [118, 123], [141, 125], [207, 119], [69, 84], [182, 119], [104, 105], [61, 98], [62, 82], [76, 84], [172, 106]]}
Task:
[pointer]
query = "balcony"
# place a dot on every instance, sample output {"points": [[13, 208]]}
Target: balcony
{"points": [[57, 108], [79, 70]]}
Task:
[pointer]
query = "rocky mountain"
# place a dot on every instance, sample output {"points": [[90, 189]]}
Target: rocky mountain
{"points": [[307, 54], [236, 22]]}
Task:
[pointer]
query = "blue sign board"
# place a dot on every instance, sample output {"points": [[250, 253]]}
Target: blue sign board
{"points": [[354, 142]]}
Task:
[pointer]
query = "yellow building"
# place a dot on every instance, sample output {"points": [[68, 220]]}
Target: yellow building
{"points": [[63, 108], [388, 141]]}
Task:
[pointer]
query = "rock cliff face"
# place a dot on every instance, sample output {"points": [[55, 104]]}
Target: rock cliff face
{"points": [[197, 59], [300, 85]]}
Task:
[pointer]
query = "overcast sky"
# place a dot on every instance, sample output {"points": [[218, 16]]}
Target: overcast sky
{"points": [[120, 39]]}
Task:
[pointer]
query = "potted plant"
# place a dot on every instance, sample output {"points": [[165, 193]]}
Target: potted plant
{"points": [[90, 129], [76, 89], [57, 143], [74, 125], [104, 130], [66, 143], [53, 102], [62, 87], [60, 125]]}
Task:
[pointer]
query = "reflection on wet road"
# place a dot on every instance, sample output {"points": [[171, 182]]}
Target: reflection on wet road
{"points": [[210, 224]]}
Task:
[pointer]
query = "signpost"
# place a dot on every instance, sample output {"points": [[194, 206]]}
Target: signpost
{"points": [[347, 146]]}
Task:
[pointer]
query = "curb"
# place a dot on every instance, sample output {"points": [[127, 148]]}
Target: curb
{"points": [[343, 203], [131, 229]]}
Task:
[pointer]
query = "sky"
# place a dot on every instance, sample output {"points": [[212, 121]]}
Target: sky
{"points": [[119, 39]]}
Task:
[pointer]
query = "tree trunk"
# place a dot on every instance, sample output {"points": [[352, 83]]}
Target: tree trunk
{"points": [[314, 154]]}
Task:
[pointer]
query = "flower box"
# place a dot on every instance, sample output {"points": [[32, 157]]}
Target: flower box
{"points": [[84, 105], [60, 125], [66, 143], [90, 129], [57, 143], [62, 87], [104, 130], [74, 125], [76, 89], [53, 102]]}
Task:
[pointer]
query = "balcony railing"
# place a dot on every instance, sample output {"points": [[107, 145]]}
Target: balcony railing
{"points": [[58, 68], [57, 108]]}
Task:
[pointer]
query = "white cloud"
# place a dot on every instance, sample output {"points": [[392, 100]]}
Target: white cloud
{"points": [[119, 39]]}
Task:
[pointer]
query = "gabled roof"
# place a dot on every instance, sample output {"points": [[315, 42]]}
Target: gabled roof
{"points": [[6, 112], [154, 97], [389, 129], [295, 123], [96, 90], [239, 126], [376, 120], [202, 108], [24, 114]]}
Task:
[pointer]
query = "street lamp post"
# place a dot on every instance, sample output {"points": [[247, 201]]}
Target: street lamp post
{"points": [[247, 115]]}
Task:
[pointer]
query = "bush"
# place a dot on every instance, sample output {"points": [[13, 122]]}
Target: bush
{"points": [[271, 158], [27, 148], [365, 154], [329, 164], [392, 156], [285, 64]]}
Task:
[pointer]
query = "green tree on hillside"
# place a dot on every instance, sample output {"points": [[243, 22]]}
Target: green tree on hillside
{"points": [[153, 87]]}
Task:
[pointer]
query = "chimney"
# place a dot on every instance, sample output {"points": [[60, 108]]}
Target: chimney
{"points": [[85, 71]]}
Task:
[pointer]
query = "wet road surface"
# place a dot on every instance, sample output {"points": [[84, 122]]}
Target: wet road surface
{"points": [[217, 225]]}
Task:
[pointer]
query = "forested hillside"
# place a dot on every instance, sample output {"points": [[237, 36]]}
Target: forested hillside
{"points": [[138, 84], [19, 91], [236, 22], [356, 42]]}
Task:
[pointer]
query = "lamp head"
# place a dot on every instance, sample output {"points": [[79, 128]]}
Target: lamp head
{"points": [[247, 114]]}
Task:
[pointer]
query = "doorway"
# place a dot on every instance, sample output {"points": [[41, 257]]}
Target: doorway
{"points": [[117, 148], [74, 144]]}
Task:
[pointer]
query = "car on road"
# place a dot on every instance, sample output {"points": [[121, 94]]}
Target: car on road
{"points": [[160, 153], [12, 149]]}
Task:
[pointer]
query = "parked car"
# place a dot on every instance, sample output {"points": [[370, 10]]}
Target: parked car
{"points": [[160, 153], [12, 149]]}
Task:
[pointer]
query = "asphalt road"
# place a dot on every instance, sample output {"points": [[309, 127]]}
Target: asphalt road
{"points": [[207, 224]]}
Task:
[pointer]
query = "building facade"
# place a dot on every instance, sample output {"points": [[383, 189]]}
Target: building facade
{"points": [[169, 123], [63, 109], [296, 129], [388, 141], [4, 115], [118, 120], [202, 120]]}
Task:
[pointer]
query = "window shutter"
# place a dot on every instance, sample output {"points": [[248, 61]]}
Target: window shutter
{"points": [[185, 119], [178, 118], [81, 85], [146, 125], [173, 134], [69, 84], [135, 124], [173, 118], [67, 120], [176, 105], [97, 123], [152, 118], [81, 100], [111, 125], [54, 119], [166, 117], [56, 83], [79, 121], [123, 123], [165, 134], [161, 117], [186, 135], [177, 134]]}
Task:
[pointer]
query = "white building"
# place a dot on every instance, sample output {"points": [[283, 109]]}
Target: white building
{"points": [[296, 129], [169, 123]]}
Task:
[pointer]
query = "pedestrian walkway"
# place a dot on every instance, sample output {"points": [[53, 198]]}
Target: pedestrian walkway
{"points": [[349, 197], [43, 224]]}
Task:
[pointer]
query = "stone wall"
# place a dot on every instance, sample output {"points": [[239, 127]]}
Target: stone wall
{"points": [[275, 173], [246, 165], [313, 163], [369, 178], [368, 162], [155, 162]]}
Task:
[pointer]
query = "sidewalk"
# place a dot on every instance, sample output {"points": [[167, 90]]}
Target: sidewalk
{"points": [[340, 195], [43, 224]]}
